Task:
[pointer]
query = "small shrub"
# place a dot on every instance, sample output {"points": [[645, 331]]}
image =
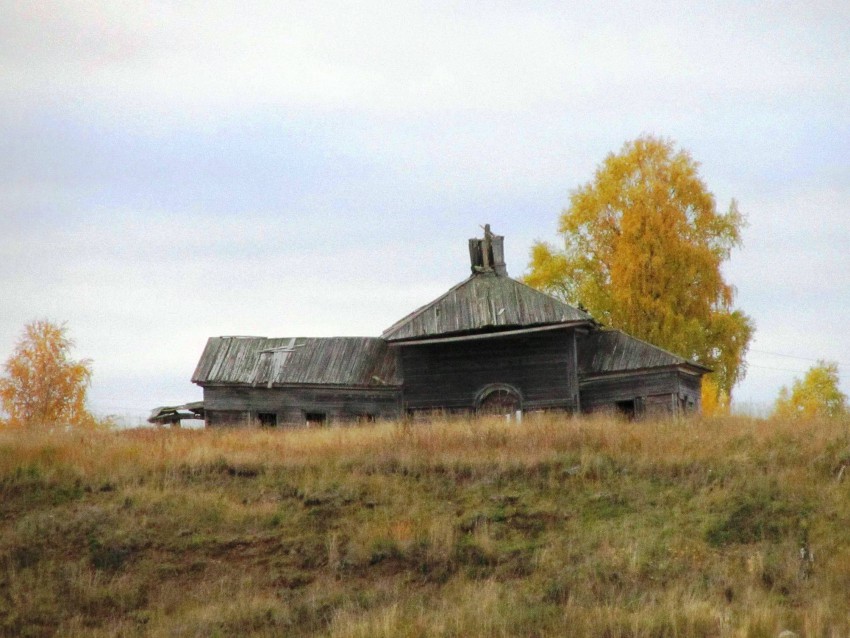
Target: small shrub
{"points": [[384, 549], [557, 591], [109, 556], [760, 514]]}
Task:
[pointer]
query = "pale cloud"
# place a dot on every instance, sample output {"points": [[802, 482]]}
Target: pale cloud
{"points": [[150, 61], [143, 292], [172, 171]]}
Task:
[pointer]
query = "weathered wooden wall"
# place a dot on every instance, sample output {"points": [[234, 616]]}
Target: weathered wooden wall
{"points": [[448, 376], [655, 392], [690, 392], [235, 405], [604, 392]]}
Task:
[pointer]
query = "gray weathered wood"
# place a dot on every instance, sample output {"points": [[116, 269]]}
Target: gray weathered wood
{"points": [[488, 332], [484, 301], [230, 404], [450, 376]]}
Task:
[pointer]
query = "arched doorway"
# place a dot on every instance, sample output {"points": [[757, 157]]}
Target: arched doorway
{"points": [[498, 399]]}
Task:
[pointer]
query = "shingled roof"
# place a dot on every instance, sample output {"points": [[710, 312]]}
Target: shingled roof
{"points": [[607, 351], [258, 361], [481, 302]]}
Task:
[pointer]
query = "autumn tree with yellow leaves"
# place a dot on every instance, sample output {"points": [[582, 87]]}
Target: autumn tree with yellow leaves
{"points": [[43, 386], [643, 249], [816, 395]]}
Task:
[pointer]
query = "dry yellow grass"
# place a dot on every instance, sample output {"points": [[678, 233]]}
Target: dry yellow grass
{"points": [[556, 526]]}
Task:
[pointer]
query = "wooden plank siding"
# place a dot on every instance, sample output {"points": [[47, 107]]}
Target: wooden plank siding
{"points": [[655, 392], [605, 391], [690, 392], [449, 376], [238, 405]]}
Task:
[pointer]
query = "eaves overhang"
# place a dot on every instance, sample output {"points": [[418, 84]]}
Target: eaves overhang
{"points": [[693, 369], [480, 336]]}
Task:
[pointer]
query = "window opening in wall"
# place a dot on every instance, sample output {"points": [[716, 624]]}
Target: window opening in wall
{"points": [[626, 409], [315, 418], [267, 419]]}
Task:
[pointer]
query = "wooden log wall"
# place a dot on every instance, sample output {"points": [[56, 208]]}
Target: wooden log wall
{"points": [[690, 392], [448, 376], [235, 405], [655, 393]]}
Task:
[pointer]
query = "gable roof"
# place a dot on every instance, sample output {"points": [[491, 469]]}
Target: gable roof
{"points": [[484, 301], [606, 351], [258, 361]]}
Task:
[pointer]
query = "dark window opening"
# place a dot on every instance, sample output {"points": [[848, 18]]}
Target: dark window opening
{"points": [[267, 419], [626, 409], [315, 418]]}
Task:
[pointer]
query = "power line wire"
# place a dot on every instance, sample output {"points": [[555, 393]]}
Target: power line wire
{"points": [[753, 365], [792, 356]]}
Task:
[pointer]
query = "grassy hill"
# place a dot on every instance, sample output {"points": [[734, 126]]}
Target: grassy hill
{"points": [[465, 528]]}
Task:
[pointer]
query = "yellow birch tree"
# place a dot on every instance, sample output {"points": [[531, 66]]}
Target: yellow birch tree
{"points": [[43, 387], [816, 395], [643, 249]]}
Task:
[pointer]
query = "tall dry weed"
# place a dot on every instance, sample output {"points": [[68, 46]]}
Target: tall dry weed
{"points": [[458, 527]]}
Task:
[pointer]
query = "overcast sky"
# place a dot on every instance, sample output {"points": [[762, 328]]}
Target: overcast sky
{"points": [[170, 172]]}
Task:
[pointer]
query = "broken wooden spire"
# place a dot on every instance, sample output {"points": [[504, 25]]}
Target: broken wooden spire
{"points": [[487, 255]]}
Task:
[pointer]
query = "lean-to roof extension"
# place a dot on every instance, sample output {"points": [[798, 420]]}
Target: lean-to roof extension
{"points": [[610, 351]]}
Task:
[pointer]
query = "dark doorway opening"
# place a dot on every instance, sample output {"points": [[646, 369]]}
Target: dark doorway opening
{"points": [[499, 400], [626, 409], [267, 419], [315, 418]]}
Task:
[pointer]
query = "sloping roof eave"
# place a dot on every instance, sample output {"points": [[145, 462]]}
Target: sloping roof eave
{"points": [[607, 352], [421, 309], [683, 367]]}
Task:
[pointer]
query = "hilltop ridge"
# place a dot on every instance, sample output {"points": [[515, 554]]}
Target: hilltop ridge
{"points": [[556, 526]]}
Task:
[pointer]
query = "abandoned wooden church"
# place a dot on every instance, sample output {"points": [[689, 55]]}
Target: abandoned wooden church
{"points": [[489, 345]]}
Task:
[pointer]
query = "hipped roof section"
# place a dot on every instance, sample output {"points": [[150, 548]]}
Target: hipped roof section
{"points": [[484, 301], [611, 351], [258, 361]]}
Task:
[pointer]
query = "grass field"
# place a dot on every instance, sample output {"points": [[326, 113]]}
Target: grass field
{"points": [[552, 527]]}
